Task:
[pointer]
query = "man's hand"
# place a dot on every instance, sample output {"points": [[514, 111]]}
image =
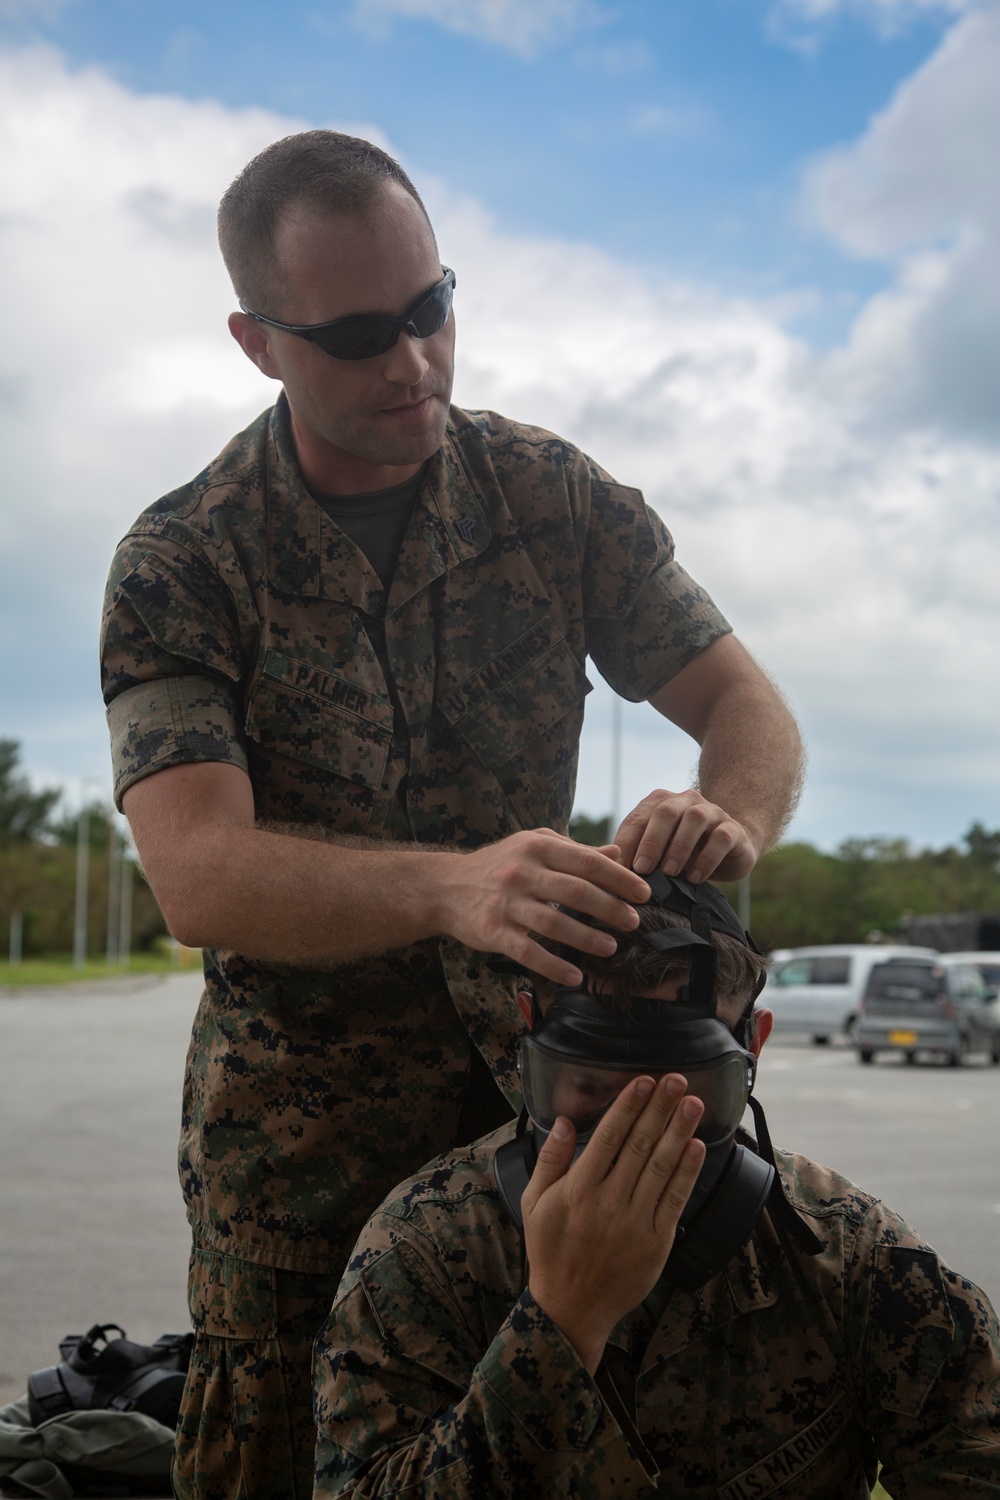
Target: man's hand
{"points": [[684, 833], [494, 899], [598, 1232]]}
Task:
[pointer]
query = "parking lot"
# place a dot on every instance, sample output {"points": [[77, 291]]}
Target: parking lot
{"points": [[92, 1228], [923, 1138]]}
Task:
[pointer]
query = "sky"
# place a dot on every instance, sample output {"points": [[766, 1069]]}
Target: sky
{"points": [[743, 252]]}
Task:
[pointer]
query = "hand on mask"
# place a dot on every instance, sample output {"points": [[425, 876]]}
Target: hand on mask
{"points": [[598, 1231]]}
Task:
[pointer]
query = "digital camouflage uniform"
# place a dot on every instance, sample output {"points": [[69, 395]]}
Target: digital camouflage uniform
{"points": [[437, 1374], [242, 626]]}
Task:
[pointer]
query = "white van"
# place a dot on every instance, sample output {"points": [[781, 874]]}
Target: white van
{"points": [[819, 989]]}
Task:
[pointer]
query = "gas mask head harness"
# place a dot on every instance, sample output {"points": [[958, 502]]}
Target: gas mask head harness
{"points": [[581, 1053]]}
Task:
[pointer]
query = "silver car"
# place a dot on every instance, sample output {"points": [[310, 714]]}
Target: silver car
{"points": [[943, 1007]]}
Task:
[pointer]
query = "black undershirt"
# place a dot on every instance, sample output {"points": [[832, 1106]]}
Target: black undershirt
{"points": [[377, 521]]}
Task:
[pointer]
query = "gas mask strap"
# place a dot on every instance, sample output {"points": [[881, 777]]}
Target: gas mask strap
{"points": [[777, 1204], [701, 983]]}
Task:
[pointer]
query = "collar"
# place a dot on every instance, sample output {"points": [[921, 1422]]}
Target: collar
{"points": [[310, 557]]}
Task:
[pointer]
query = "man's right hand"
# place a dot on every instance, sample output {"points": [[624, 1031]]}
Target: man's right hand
{"points": [[495, 898], [598, 1232]]}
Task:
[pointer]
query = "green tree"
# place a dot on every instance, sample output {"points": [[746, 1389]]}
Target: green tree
{"points": [[66, 828], [594, 831], [800, 895], [983, 846], [23, 813]]}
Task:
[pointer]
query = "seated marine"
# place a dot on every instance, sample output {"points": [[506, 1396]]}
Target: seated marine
{"points": [[625, 1295]]}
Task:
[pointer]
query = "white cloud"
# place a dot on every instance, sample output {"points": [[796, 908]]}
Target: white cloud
{"points": [[840, 509], [523, 26], [919, 191], [927, 165]]}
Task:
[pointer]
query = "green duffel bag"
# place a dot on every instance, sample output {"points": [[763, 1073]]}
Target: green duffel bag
{"points": [[107, 1453]]}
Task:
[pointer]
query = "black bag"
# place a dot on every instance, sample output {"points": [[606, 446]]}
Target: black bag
{"points": [[96, 1372]]}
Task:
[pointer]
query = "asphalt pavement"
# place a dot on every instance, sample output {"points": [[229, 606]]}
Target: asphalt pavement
{"points": [[92, 1228], [923, 1139]]}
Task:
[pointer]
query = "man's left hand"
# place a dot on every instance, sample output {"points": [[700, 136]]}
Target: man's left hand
{"points": [[683, 833]]}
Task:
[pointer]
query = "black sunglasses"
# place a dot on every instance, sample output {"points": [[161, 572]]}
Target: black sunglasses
{"points": [[364, 335]]}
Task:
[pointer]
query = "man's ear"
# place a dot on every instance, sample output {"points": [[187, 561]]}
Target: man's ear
{"points": [[524, 1004], [763, 1020], [254, 340]]}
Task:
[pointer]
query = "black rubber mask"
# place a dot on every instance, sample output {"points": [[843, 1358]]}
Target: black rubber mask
{"points": [[586, 1048]]}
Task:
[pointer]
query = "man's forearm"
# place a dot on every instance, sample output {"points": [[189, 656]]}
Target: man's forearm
{"points": [[225, 881], [531, 1421], [302, 899], [752, 760]]}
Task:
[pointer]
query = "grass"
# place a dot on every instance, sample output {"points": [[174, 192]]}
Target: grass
{"points": [[58, 968]]}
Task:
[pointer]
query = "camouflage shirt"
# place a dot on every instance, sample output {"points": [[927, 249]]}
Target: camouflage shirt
{"points": [[437, 1374], [243, 626]]}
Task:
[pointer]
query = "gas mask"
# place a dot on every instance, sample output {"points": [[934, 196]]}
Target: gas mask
{"points": [[586, 1048]]}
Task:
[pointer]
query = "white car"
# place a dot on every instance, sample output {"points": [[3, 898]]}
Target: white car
{"points": [[819, 989]]}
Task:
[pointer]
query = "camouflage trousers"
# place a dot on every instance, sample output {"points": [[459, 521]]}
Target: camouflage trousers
{"points": [[245, 1430]]}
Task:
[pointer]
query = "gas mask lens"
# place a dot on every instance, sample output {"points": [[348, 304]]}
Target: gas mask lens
{"points": [[583, 1091]]}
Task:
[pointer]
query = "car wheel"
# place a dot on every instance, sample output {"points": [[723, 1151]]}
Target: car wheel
{"points": [[821, 1041], [956, 1058], [866, 1055], [995, 1054], [911, 1058]]}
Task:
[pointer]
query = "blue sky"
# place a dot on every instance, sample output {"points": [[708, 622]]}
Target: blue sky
{"points": [[671, 135], [744, 251]]}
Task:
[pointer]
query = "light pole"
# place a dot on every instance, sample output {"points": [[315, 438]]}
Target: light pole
{"points": [[125, 911], [82, 874], [616, 765], [16, 933], [114, 882]]}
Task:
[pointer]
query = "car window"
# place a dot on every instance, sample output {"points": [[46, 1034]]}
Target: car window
{"points": [[832, 969], [798, 971], [903, 981], [991, 973]]}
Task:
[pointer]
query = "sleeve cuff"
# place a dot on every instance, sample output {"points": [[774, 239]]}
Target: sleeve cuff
{"points": [[171, 721], [672, 620]]}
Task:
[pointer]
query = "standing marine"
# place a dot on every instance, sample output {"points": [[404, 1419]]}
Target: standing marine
{"points": [[345, 670]]}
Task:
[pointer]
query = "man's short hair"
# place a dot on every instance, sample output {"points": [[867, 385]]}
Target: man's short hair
{"points": [[636, 967], [319, 169]]}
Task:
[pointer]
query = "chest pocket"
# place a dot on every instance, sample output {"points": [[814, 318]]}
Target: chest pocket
{"points": [[518, 696], [521, 714], [310, 714]]}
